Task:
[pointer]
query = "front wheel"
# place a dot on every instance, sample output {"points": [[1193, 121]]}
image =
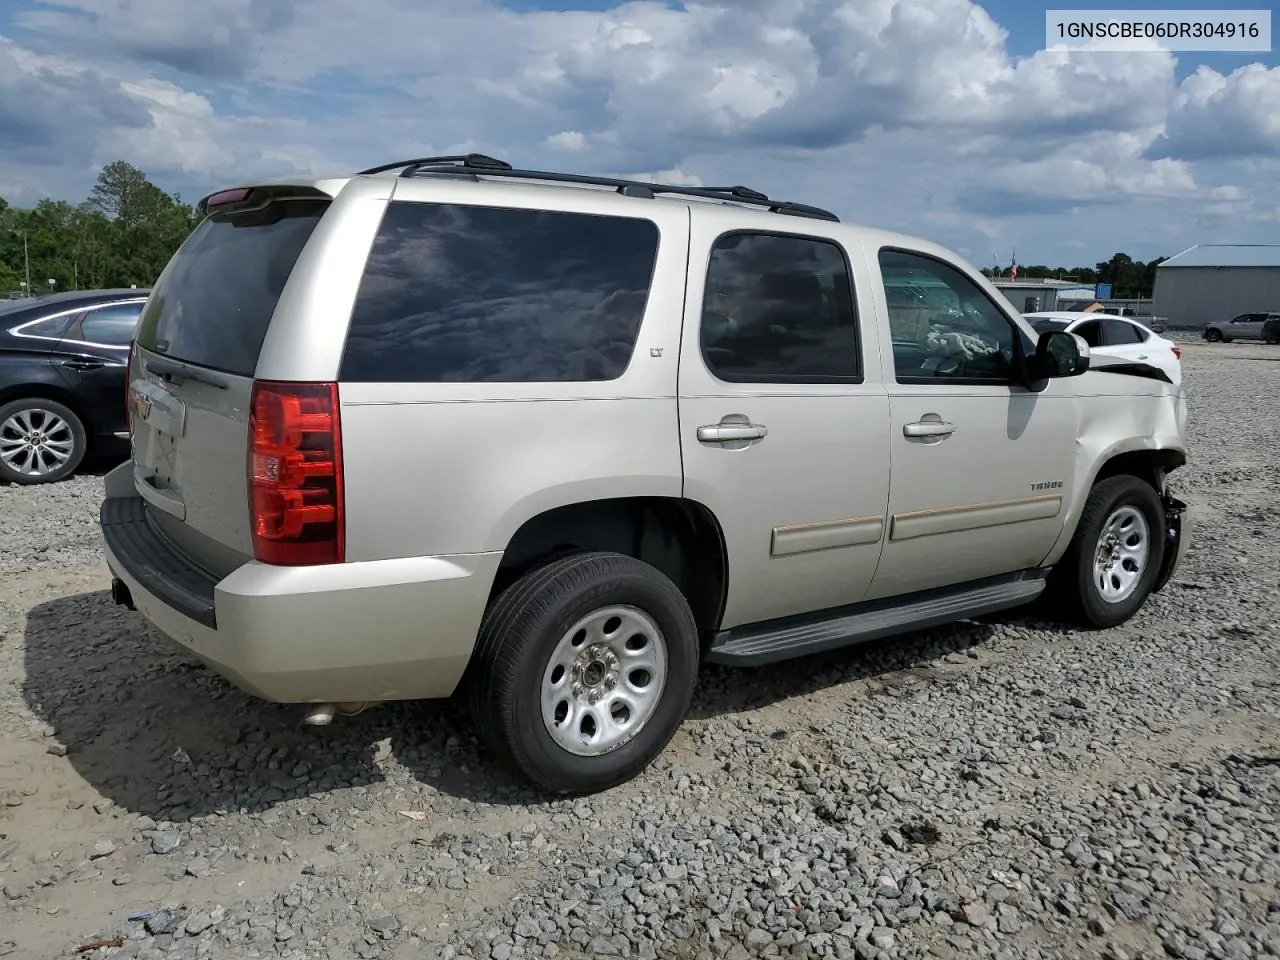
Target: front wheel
{"points": [[1213, 336], [583, 671], [1114, 559]]}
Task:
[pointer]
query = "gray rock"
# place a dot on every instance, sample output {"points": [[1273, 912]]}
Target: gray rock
{"points": [[757, 939], [385, 927], [161, 922], [198, 867], [103, 848], [197, 924], [165, 842], [976, 913]]}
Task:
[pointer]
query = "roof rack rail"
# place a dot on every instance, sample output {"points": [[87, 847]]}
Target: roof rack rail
{"points": [[489, 167], [469, 161]]}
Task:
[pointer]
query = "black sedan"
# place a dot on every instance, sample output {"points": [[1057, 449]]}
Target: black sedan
{"points": [[62, 381]]}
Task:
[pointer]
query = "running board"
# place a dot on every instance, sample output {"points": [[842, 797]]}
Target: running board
{"points": [[760, 643]]}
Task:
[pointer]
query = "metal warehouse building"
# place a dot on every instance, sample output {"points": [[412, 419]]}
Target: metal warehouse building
{"points": [[1212, 281], [1028, 296]]}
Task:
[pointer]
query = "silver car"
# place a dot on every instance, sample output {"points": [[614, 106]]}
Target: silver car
{"points": [[1245, 326], [553, 441]]}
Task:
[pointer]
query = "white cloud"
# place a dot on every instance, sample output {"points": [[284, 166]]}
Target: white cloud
{"points": [[571, 141], [906, 113], [674, 176], [1232, 115]]}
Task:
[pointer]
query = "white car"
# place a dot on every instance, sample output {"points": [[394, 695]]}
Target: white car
{"points": [[1114, 336]]}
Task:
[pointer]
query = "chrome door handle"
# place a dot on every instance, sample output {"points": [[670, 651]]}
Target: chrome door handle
{"points": [[728, 432], [1143, 356], [929, 428]]}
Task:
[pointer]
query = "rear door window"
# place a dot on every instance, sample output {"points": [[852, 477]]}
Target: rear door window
{"points": [[459, 293], [1091, 332], [779, 309], [214, 302], [111, 326], [1118, 333]]}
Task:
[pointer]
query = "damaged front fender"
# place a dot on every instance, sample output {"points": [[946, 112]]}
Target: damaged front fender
{"points": [[1140, 431]]}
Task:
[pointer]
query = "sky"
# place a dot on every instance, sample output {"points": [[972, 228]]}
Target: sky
{"points": [[946, 119]]}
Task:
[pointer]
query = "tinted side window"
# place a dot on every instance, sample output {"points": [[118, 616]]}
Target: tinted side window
{"points": [[112, 326], [52, 328], [1118, 333], [1091, 332], [943, 326], [456, 293], [779, 309]]}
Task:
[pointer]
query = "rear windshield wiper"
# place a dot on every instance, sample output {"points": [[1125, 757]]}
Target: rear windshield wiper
{"points": [[176, 372]]}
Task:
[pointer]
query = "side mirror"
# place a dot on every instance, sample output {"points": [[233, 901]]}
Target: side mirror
{"points": [[1059, 354]]}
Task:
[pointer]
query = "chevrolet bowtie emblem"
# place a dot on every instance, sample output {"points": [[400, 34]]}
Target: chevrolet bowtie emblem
{"points": [[141, 404]]}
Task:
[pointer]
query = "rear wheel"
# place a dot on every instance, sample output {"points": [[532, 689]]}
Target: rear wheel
{"points": [[41, 441], [1108, 571], [584, 670]]}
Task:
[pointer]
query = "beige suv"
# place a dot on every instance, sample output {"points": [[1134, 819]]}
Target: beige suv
{"points": [[553, 441]]}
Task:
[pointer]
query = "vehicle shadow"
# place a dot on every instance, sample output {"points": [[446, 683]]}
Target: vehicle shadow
{"points": [[161, 735]]}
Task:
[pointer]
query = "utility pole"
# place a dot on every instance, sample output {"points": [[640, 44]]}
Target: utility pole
{"points": [[26, 259]]}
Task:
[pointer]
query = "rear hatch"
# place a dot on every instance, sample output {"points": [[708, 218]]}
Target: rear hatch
{"points": [[192, 367]]}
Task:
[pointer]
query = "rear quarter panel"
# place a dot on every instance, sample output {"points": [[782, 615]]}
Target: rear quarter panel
{"points": [[449, 468]]}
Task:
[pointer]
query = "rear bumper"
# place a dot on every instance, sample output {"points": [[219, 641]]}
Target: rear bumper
{"points": [[375, 630]]}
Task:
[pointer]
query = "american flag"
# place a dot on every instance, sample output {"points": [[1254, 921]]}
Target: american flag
{"points": [[1013, 272]]}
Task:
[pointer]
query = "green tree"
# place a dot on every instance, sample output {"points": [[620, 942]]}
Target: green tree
{"points": [[123, 233]]}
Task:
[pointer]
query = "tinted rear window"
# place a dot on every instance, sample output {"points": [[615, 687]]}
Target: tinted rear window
{"points": [[214, 301], [456, 293]]}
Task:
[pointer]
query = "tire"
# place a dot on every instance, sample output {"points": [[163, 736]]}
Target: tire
{"points": [[1213, 336], [528, 636], [64, 447], [1122, 505]]}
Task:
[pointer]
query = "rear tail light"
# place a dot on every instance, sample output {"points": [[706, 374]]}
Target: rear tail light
{"points": [[295, 473], [1177, 352]]}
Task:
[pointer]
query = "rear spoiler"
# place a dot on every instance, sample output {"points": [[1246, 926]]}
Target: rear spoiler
{"points": [[257, 195]]}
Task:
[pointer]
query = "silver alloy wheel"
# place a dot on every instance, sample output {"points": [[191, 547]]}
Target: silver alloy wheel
{"points": [[36, 442], [604, 680], [1121, 555]]}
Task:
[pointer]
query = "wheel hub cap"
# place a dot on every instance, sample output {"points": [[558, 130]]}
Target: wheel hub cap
{"points": [[604, 680], [1122, 553], [35, 442]]}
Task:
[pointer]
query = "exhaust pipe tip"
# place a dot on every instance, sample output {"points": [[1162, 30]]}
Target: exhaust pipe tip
{"points": [[319, 714]]}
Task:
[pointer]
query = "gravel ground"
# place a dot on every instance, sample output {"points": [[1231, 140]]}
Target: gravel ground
{"points": [[1010, 788]]}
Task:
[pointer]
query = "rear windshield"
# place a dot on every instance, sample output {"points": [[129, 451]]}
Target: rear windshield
{"points": [[214, 301]]}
